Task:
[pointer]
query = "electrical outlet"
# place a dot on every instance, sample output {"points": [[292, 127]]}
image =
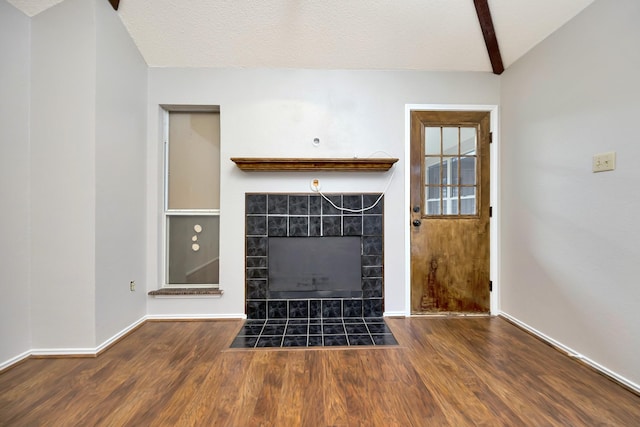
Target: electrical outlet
{"points": [[604, 162], [132, 286]]}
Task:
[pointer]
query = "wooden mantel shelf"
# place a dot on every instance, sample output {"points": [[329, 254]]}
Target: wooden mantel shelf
{"points": [[273, 164]]}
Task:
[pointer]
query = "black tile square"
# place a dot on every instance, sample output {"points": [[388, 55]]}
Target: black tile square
{"points": [[277, 225], [369, 200], [273, 330], [315, 309], [372, 225], [277, 204], [256, 309], [315, 226], [315, 329], [332, 320], [352, 201], [256, 289], [353, 321], [352, 308], [384, 339], [356, 328], [244, 342], [297, 330], [298, 321], [372, 287], [333, 329], [315, 205], [372, 260], [359, 339], [257, 273], [257, 261], [334, 340], [277, 309], [256, 203], [372, 245], [298, 205], [256, 246], [298, 309], [372, 307], [315, 341], [328, 208], [331, 226], [256, 225], [294, 341], [299, 226], [352, 226], [331, 308], [273, 341], [251, 330]]}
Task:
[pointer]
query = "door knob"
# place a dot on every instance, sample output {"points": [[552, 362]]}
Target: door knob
{"points": [[416, 223], [416, 209]]}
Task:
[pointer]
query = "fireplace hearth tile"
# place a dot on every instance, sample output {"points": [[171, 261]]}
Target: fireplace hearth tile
{"points": [[372, 308], [315, 309], [277, 309], [352, 308], [349, 332], [257, 309], [360, 340], [298, 309], [369, 200], [372, 225], [335, 340], [256, 225], [331, 308], [257, 246]]}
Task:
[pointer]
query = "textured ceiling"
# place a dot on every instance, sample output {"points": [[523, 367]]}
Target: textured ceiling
{"points": [[352, 34]]}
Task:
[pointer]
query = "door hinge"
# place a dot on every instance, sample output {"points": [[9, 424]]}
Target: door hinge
{"points": [[490, 286], [490, 211], [490, 137]]}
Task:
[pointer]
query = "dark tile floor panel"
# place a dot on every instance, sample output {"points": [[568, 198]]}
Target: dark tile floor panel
{"points": [[314, 333]]}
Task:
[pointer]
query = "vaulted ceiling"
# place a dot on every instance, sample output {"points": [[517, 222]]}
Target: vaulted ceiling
{"points": [[328, 34]]}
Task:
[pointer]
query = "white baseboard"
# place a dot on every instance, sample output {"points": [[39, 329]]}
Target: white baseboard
{"points": [[573, 354], [195, 316], [394, 314], [14, 360], [92, 352]]}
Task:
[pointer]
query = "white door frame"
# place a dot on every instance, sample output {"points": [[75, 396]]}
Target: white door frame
{"points": [[494, 152]]}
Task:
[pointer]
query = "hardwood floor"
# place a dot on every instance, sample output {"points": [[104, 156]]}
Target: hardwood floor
{"points": [[446, 371]]}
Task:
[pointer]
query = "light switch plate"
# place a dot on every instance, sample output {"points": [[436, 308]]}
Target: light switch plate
{"points": [[604, 162]]}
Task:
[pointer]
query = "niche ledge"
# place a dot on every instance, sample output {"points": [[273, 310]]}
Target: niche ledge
{"points": [[187, 293], [275, 164]]}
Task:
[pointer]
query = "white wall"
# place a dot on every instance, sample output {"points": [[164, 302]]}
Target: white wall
{"points": [[121, 111], [15, 324], [278, 113], [570, 238], [63, 182]]}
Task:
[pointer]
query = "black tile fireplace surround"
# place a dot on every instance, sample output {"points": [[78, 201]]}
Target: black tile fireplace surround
{"points": [[309, 215]]}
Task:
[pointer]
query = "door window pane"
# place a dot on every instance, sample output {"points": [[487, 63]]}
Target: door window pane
{"points": [[432, 141], [467, 170], [450, 141]]}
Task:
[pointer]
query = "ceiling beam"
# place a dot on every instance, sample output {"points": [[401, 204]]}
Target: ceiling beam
{"points": [[489, 33], [114, 4]]}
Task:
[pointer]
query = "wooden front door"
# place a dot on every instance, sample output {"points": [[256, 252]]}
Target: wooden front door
{"points": [[449, 212]]}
